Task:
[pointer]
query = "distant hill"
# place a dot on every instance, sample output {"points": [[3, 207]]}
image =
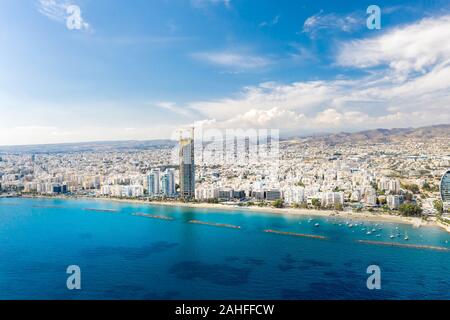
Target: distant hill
{"points": [[376, 135], [386, 135], [102, 146]]}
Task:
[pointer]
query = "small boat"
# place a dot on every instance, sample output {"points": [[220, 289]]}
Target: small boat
{"points": [[309, 220], [406, 236], [350, 225], [378, 235], [373, 230], [392, 236], [369, 232], [316, 225]]}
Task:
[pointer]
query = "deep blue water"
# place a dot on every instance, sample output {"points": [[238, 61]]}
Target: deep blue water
{"points": [[123, 256]]}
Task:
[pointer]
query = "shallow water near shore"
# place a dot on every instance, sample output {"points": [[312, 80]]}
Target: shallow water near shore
{"points": [[124, 254]]}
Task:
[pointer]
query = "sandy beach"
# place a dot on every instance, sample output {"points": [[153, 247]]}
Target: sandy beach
{"points": [[354, 216], [345, 215]]}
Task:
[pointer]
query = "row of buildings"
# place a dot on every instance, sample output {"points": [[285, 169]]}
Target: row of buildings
{"points": [[348, 175]]}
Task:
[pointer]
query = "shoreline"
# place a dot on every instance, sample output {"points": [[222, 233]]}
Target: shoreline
{"points": [[361, 216]]}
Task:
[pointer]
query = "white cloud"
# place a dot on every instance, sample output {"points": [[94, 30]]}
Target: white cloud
{"points": [[270, 23], [332, 22], [174, 108], [414, 48], [204, 3], [231, 59], [383, 98], [65, 12]]}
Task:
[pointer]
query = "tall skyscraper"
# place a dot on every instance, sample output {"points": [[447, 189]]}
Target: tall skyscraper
{"points": [[187, 167], [168, 183], [153, 180], [445, 187]]}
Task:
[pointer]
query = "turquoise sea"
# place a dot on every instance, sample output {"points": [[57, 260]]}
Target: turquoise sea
{"points": [[124, 256]]}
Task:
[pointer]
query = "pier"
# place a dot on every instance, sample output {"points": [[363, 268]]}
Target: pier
{"points": [[223, 225], [101, 210], [48, 207], [151, 216], [294, 234], [403, 245]]}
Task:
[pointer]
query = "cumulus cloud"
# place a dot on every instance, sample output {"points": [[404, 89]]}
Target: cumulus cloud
{"points": [[407, 85], [414, 48]]}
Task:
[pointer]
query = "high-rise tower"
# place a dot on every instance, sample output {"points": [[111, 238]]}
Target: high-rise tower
{"points": [[168, 183], [153, 181], [187, 167], [445, 188]]}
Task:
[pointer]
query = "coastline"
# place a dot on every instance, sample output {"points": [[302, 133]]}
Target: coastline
{"points": [[345, 215]]}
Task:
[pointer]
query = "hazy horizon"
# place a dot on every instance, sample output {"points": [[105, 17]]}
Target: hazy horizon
{"points": [[283, 137]]}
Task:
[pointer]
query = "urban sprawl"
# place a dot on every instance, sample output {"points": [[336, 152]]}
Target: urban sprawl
{"points": [[404, 176]]}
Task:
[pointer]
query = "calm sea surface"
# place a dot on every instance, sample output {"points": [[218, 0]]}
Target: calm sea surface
{"points": [[123, 256]]}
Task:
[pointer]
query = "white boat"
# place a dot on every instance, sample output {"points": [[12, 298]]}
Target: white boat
{"points": [[369, 232], [316, 225]]}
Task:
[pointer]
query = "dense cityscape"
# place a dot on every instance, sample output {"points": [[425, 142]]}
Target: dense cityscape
{"points": [[402, 175]]}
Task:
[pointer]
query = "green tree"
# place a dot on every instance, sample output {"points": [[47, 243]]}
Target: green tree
{"points": [[410, 210], [409, 196], [414, 188], [316, 203], [278, 203], [439, 206], [304, 205]]}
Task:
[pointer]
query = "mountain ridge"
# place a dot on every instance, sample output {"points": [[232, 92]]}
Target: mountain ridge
{"points": [[374, 135]]}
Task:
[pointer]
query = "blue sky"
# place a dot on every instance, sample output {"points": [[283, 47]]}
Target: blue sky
{"points": [[140, 69]]}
